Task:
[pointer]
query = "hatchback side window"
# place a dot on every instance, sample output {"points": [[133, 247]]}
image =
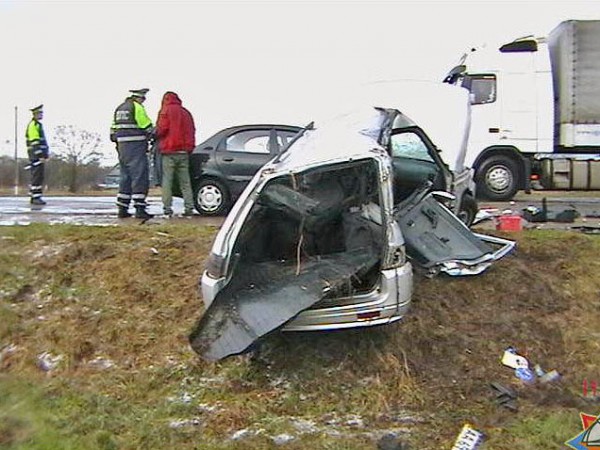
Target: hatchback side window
{"points": [[410, 145], [249, 141]]}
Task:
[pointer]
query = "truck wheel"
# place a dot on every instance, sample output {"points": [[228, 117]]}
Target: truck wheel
{"points": [[497, 178], [468, 210], [211, 198]]}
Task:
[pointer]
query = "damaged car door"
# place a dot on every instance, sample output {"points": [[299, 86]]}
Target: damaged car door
{"points": [[438, 241]]}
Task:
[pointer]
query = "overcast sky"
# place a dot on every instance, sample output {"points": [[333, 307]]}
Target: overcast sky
{"points": [[235, 62]]}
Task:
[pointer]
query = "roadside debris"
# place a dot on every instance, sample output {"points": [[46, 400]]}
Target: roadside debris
{"points": [[511, 359], [101, 363], [48, 362], [546, 377], [505, 396], [535, 214], [281, 439], [5, 355], [509, 222], [181, 423], [587, 229], [525, 374], [242, 434], [520, 364], [485, 214], [468, 439]]}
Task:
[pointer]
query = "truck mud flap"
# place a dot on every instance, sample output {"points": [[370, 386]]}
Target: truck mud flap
{"points": [[264, 296]]}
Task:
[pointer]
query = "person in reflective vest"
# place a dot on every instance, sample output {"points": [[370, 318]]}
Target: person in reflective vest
{"points": [[131, 130], [38, 153]]}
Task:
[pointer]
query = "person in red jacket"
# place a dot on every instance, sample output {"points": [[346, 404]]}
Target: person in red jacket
{"points": [[176, 134]]}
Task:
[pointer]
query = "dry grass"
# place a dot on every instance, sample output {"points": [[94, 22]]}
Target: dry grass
{"points": [[119, 315]]}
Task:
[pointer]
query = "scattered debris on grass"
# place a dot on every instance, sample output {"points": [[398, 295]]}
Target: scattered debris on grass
{"points": [[282, 439], [468, 439], [48, 362], [101, 363], [182, 423]]}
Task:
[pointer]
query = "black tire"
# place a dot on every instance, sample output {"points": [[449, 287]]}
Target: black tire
{"points": [[498, 178], [211, 197], [468, 210]]}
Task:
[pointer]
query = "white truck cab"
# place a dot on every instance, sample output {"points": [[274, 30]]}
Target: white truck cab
{"points": [[536, 111]]}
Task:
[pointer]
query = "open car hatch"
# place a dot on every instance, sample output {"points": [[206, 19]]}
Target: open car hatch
{"points": [[438, 241], [301, 242], [268, 296]]}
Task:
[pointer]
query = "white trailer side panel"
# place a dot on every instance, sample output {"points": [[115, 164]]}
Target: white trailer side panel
{"points": [[575, 56]]}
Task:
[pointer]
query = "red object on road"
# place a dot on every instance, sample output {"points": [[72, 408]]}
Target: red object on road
{"points": [[509, 223]]}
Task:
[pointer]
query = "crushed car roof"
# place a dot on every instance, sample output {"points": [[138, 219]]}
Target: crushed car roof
{"points": [[443, 111], [347, 136]]}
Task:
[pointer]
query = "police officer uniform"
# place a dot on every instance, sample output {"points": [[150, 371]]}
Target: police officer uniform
{"points": [[131, 129], [38, 152]]}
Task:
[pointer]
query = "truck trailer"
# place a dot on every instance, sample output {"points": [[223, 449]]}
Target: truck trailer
{"points": [[535, 111]]}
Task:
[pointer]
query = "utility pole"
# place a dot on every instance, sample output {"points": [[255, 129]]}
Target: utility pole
{"points": [[16, 155]]}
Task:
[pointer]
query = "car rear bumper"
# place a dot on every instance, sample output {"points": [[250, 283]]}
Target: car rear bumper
{"points": [[387, 303]]}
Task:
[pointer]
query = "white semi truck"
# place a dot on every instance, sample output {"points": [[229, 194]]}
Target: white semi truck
{"points": [[536, 111]]}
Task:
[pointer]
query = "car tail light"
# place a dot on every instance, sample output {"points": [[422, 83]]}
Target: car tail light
{"points": [[368, 315], [215, 267]]}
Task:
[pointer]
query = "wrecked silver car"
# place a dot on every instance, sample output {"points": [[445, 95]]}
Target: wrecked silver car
{"points": [[322, 238]]}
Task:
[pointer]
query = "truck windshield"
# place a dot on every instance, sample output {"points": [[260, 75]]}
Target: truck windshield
{"points": [[481, 86]]}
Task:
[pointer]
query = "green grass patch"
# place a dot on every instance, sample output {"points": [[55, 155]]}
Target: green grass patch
{"points": [[115, 306]]}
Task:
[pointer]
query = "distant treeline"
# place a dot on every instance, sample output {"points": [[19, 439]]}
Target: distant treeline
{"points": [[60, 174]]}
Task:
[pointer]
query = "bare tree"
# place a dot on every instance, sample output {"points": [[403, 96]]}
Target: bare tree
{"points": [[78, 148]]}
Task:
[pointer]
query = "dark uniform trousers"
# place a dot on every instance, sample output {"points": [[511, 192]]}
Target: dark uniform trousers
{"points": [[134, 182], [36, 165]]}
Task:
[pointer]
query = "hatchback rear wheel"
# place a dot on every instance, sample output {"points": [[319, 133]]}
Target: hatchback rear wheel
{"points": [[211, 197]]}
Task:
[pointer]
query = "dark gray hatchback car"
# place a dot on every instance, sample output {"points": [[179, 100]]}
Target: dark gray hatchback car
{"points": [[223, 165]]}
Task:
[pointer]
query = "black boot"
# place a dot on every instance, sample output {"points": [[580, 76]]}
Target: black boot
{"points": [[123, 213], [141, 213], [37, 201]]}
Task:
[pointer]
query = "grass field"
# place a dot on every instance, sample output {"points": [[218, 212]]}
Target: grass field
{"points": [[94, 353]]}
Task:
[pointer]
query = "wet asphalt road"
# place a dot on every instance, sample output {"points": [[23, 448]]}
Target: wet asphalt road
{"points": [[101, 211], [92, 210]]}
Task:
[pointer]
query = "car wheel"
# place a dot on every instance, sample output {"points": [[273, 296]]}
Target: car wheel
{"points": [[497, 178], [211, 198], [468, 210]]}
